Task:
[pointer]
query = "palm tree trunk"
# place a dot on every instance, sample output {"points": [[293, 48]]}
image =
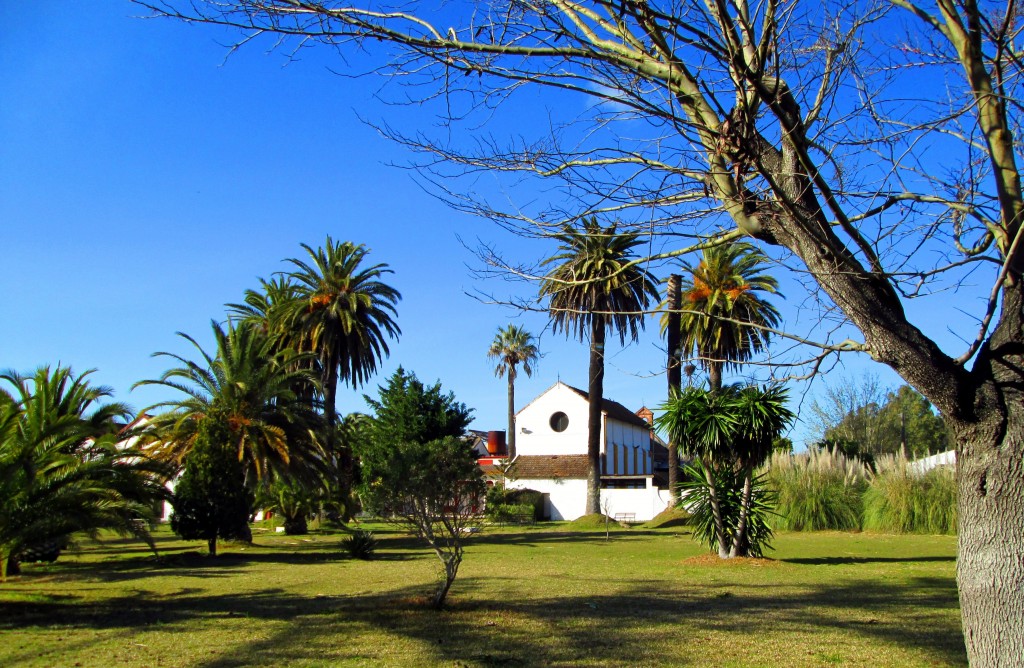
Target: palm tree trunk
{"points": [[715, 375], [674, 371], [596, 395], [511, 413], [211, 543], [740, 544], [342, 457]]}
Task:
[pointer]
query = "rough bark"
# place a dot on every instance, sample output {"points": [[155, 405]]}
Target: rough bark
{"points": [[990, 475], [596, 395], [674, 372]]}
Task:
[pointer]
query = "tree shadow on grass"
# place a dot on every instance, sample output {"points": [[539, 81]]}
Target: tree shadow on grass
{"points": [[837, 561], [641, 626], [640, 623]]}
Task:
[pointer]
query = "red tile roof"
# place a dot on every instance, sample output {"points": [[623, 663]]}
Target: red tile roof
{"points": [[550, 466]]}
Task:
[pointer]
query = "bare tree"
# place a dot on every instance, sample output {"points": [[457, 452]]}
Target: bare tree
{"points": [[873, 145]]}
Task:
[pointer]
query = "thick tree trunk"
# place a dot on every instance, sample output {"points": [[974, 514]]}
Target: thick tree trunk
{"points": [[596, 395], [296, 526], [211, 544], [674, 372], [511, 441], [990, 480]]}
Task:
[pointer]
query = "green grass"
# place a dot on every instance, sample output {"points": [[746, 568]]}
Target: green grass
{"points": [[541, 595]]}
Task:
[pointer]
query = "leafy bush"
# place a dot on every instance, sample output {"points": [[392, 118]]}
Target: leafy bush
{"points": [[817, 490], [902, 500], [503, 513], [360, 545], [502, 496], [696, 499]]}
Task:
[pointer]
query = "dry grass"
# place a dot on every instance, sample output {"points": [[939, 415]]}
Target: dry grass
{"points": [[525, 596]]}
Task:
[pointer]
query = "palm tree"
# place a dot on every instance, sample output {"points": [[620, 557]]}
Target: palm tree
{"points": [[346, 312], [62, 467], [254, 385], [703, 423], [762, 416], [512, 346], [723, 317], [593, 286], [729, 430]]}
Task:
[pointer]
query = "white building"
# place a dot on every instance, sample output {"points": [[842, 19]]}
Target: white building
{"points": [[551, 457]]}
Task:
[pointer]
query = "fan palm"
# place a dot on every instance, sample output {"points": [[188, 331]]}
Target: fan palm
{"points": [[254, 385], [511, 347], [62, 469], [724, 318], [594, 286]]}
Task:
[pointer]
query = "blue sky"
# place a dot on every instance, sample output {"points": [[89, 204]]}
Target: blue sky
{"points": [[146, 179]]}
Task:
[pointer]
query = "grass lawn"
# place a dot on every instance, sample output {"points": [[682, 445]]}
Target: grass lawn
{"points": [[524, 596]]}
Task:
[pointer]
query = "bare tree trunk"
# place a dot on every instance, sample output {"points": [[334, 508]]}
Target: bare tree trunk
{"points": [[674, 371], [451, 569], [596, 395], [511, 442], [211, 544]]}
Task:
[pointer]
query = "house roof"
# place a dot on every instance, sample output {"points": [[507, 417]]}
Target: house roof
{"points": [[550, 466], [614, 409]]}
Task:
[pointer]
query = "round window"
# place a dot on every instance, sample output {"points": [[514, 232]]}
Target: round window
{"points": [[559, 421]]}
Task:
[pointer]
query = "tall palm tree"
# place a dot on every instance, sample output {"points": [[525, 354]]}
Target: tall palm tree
{"points": [[346, 311], [724, 316], [251, 382], [62, 467], [594, 286], [511, 347]]}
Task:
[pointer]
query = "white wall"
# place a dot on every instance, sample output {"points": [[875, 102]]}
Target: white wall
{"points": [[645, 503], [567, 498], [622, 440], [534, 435]]}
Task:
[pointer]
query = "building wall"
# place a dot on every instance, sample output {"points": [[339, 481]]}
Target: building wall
{"points": [[567, 498], [644, 503], [534, 435], [627, 450]]}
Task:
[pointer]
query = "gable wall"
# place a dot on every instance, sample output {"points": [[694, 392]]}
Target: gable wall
{"points": [[534, 435]]}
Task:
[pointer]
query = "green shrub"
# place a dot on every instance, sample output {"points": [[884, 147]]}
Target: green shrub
{"points": [[902, 500], [500, 496], [696, 499], [360, 545], [503, 513], [818, 490]]}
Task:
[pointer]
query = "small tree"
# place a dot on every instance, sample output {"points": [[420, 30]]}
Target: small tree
{"points": [[211, 500], [419, 471]]}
